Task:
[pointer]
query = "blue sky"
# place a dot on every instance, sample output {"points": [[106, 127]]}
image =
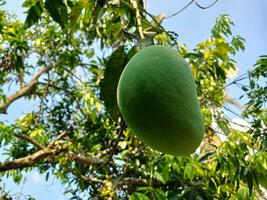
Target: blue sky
{"points": [[193, 26]]}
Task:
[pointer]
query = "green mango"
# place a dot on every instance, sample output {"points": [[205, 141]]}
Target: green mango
{"points": [[157, 97]]}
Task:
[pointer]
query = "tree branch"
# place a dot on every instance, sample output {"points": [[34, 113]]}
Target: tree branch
{"points": [[138, 19], [52, 149], [181, 10], [119, 134], [187, 5], [155, 23], [24, 90], [85, 160], [206, 7], [122, 182], [30, 160], [30, 140], [235, 81], [130, 181], [59, 137], [91, 180]]}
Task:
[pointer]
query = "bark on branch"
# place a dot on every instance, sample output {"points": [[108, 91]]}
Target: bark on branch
{"points": [[122, 182], [132, 182], [85, 160], [30, 160], [30, 140], [24, 91], [53, 149]]}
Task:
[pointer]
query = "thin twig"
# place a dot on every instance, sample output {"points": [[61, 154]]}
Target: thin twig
{"points": [[181, 10], [236, 114], [119, 134], [160, 27], [30, 140], [187, 5], [206, 7], [231, 121], [24, 91], [70, 93], [59, 137], [74, 75], [239, 78]]}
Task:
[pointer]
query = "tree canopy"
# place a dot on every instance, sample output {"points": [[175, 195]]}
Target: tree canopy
{"points": [[67, 57]]}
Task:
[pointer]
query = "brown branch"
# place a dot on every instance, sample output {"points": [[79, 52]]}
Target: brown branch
{"points": [[52, 149], [32, 159], [50, 145], [59, 137], [121, 182], [24, 91], [29, 160], [130, 181], [85, 160], [104, 152], [119, 133], [91, 180], [21, 77], [30, 140]]}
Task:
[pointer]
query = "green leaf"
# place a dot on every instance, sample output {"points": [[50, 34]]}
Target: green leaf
{"points": [[159, 194], [264, 119], [244, 88], [122, 144], [131, 53], [262, 180], [206, 156], [222, 26], [166, 173], [243, 193], [108, 86], [159, 177], [188, 172], [138, 196], [163, 175], [75, 13], [47, 176], [58, 11], [34, 14], [238, 42], [249, 180], [224, 126], [6, 134]]}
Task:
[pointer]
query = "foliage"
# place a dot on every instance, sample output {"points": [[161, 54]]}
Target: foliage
{"points": [[66, 59]]}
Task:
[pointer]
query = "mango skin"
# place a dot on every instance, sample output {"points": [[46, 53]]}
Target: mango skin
{"points": [[157, 98]]}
